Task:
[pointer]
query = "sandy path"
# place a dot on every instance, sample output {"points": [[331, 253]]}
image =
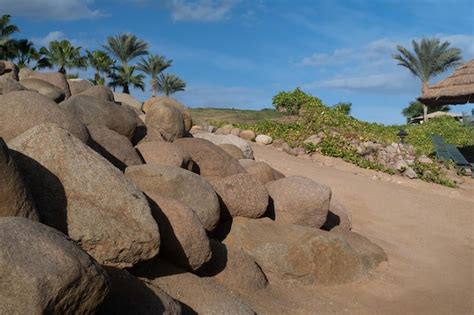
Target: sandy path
{"points": [[426, 230]]}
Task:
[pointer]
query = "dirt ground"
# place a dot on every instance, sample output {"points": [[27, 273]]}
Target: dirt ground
{"points": [[427, 231]]}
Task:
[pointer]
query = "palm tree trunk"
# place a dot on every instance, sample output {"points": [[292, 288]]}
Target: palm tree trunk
{"points": [[154, 87], [125, 89], [97, 77], [62, 70], [425, 108]]}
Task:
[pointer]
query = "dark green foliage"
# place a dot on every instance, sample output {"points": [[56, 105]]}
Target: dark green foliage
{"points": [[343, 107], [291, 102], [101, 62], [415, 109], [153, 66], [170, 83], [63, 55]]}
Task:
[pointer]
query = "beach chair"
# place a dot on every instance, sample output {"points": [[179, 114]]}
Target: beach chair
{"points": [[448, 152]]}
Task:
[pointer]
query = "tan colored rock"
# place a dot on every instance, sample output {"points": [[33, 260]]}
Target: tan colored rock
{"points": [[43, 272], [165, 153], [164, 100], [81, 194], [339, 218], [130, 295], [305, 254], [55, 78], [100, 92], [263, 139], [22, 110], [233, 151], [217, 139], [299, 200], [79, 85], [117, 149], [10, 70], [201, 295], [235, 132], [8, 85], [167, 120], [212, 161], [234, 269], [179, 184], [44, 88], [241, 195], [15, 199], [94, 111], [129, 100], [224, 130], [248, 135], [261, 171], [184, 240]]}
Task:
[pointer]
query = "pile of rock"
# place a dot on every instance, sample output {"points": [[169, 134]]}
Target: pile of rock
{"points": [[230, 130], [103, 212]]}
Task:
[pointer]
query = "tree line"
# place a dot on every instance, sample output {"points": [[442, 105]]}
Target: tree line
{"points": [[112, 63]]}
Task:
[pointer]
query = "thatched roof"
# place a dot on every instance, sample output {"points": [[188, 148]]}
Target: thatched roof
{"points": [[458, 88]]}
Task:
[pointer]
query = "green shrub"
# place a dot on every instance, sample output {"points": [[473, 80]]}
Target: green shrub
{"points": [[291, 102]]}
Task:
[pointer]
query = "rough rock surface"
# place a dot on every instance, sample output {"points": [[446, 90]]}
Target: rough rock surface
{"points": [[179, 184], [217, 139], [233, 151], [55, 78], [130, 295], [93, 111], [212, 162], [299, 200], [101, 92], [44, 88], [263, 139], [305, 254], [19, 111], [261, 171], [117, 149], [241, 195], [339, 218], [9, 70], [79, 85], [248, 135], [14, 197], [43, 272], [167, 120], [165, 153], [127, 99], [80, 193], [234, 269], [8, 85], [200, 295], [184, 240], [155, 101]]}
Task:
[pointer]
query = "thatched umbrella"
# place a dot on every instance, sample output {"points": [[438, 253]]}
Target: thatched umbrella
{"points": [[458, 88]]}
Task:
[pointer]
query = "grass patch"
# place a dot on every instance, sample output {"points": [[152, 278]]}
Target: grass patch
{"points": [[220, 116]]}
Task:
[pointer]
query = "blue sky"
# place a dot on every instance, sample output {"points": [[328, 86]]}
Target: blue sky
{"points": [[239, 53]]}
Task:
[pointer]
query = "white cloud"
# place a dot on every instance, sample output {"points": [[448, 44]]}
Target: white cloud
{"points": [[51, 9], [338, 56], [56, 35], [200, 10]]}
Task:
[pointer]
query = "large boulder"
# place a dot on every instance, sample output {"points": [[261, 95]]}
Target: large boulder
{"points": [[117, 149], [22, 110], [130, 295], [300, 200], [94, 111], [176, 183], [79, 85], [127, 99], [8, 85], [241, 195], [305, 254], [15, 199], [43, 272], [167, 120], [165, 153], [233, 151], [80, 193], [184, 240], [55, 78], [212, 162], [100, 92], [261, 171], [234, 269], [200, 295], [162, 100], [339, 218], [44, 88], [217, 139]]}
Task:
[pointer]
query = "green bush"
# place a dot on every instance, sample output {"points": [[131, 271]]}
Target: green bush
{"points": [[291, 102]]}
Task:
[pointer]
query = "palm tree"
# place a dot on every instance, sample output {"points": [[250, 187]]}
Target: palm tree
{"points": [[101, 62], [24, 52], [169, 84], [153, 66], [125, 77], [6, 30], [63, 55], [415, 109], [126, 47], [430, 59]]}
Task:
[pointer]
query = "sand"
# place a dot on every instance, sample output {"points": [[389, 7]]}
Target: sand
{"points": [[427, 231]]}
